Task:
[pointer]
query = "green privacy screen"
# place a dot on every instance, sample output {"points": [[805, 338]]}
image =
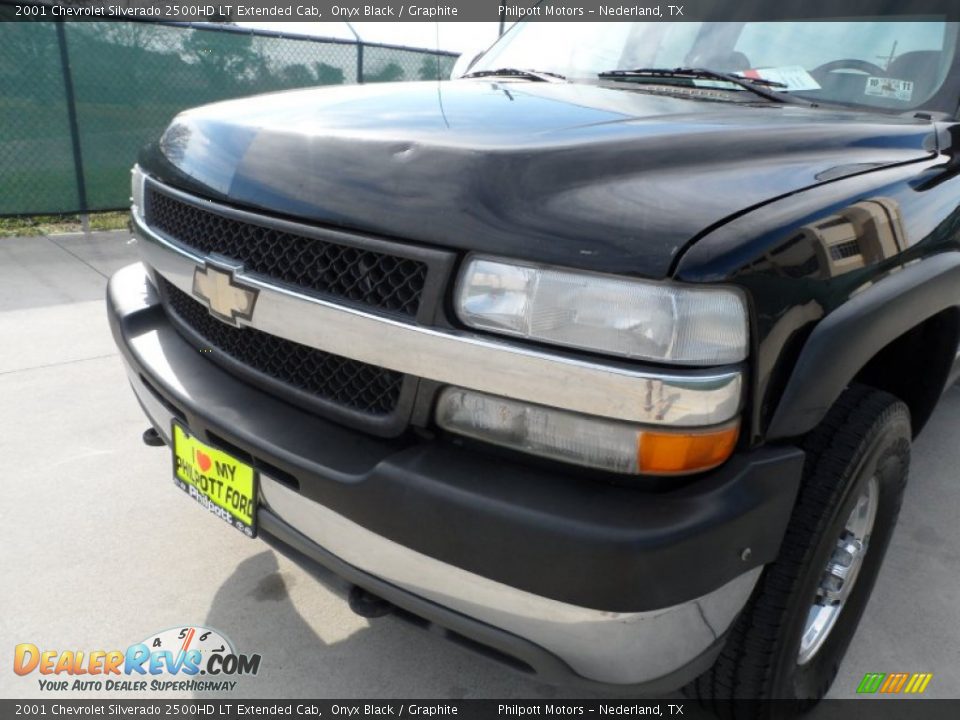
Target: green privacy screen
{"points": [[126, 82]]}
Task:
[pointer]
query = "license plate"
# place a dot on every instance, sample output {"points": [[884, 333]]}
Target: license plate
{"points": [[219, 483]]}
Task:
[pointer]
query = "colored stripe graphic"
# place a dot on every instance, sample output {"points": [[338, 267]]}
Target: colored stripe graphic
{"points": [[893, 683], [871, 682], [918, 683]]}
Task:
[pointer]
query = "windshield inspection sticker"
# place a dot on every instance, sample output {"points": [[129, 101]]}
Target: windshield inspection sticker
{"points": [[889, 88], [794, 77]]}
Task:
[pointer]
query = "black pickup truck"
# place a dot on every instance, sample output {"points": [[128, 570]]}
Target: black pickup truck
{"points": [[603, 358]]}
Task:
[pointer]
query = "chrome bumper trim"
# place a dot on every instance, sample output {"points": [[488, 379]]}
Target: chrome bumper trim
{"points": [[609, 647], [692, 399]]}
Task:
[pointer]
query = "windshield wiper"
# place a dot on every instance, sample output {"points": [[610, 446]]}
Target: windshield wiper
{"points": [[539, 75], [758, 86]]}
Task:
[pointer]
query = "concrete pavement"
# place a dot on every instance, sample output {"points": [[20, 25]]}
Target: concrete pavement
{"points": [[99, 550]]}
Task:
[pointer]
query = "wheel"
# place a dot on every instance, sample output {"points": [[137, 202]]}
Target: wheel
{"points": [[789, 640]]}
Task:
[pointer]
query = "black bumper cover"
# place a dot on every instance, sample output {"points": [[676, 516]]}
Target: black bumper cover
{"points": [[560, 536]]}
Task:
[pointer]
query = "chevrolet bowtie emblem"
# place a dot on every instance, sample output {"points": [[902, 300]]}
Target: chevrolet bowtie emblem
{"points": [[225, 297]]}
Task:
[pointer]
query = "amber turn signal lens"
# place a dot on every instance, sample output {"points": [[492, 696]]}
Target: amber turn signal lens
{"points": [[681, 453]]}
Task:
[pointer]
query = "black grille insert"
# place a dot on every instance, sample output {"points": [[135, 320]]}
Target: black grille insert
{"points": [[347, 383], [375, 279]]}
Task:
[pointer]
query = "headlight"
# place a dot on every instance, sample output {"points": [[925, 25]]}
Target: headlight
{"points": [[136, 190], [583, 439], [638, 319]]}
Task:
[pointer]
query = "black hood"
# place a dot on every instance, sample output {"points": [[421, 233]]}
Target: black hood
{"points": [[603, 178]]}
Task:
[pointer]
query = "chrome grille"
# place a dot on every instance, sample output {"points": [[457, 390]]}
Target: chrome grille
{"points": [[374, 279], [363, 388]]}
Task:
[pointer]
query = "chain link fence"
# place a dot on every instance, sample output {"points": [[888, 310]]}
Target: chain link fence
{"points": [[78, 100]]}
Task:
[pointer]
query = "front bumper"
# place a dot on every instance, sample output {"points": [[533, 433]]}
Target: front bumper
{"points": [[574, 577]]}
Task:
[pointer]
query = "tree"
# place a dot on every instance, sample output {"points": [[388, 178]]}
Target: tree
{"points": [[227, 58], [298, 75], [29, 45], [390, 72], [430, 68], [328, 74]]}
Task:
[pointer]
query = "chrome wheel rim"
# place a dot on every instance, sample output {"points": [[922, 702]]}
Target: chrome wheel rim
{"points": [[840, 574]]}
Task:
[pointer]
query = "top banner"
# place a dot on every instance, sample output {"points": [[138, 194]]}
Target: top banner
{"points": [[477, 10]]}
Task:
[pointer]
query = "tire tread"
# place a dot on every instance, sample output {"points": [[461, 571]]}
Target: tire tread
{"points": [[745, 667]]}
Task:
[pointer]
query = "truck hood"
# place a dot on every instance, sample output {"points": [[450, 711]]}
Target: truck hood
{"points": [[605, 178]]}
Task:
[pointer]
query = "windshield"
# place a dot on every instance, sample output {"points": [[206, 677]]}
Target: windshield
{"points": [[888, 65]]}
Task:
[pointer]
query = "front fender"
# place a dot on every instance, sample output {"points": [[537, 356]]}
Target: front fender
{"points": [[845, 340]]}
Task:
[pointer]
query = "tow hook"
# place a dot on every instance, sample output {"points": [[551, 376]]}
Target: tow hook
{"points": [[152, 438], [366, 604]]}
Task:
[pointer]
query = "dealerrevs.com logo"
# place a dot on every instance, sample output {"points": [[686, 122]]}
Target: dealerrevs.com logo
{"points": [[192, 659]]}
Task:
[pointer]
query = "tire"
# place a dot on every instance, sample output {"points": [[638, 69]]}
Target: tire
{"points": [[865, 435]]}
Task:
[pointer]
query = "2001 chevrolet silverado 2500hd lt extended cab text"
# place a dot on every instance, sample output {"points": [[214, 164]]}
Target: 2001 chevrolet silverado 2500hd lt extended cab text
{"points": [[605, 357]]}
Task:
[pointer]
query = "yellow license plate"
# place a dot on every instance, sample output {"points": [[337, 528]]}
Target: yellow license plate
{"points": [[220, 483]]}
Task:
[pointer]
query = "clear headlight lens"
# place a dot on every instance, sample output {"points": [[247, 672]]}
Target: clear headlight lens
{"points": [[582, 439], [638, 319]]}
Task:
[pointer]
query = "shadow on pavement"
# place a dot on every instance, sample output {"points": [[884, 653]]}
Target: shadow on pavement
{"points": [[385, 657]]}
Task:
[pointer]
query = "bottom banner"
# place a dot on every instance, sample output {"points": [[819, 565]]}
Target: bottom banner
{"points": [[874, 709]]}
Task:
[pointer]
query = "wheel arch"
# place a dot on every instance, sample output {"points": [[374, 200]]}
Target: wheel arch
{"points": [[874, 338]]}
